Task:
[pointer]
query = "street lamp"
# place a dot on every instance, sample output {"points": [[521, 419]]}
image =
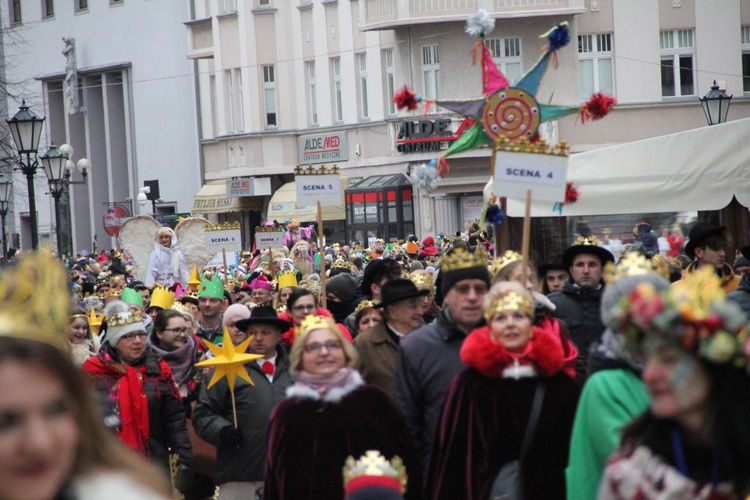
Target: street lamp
{"points": [[716, 105], [54, 166], [6, 188], [26, 129]]}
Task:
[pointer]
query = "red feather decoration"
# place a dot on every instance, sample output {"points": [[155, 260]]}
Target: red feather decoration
{"points": [[405, 98], [571, 194], [597, 107]]}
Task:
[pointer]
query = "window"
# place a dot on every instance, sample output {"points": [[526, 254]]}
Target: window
{"points": [[338, 109], [745, 36], [431, 71], [390, 81], [364, 111], [677, 63], [595, 68], [264, 3], [227, 6], [269, 95], [235, 102], [15, 11], [116, 2], [48, 9], [507, 55], [82, 5], [312, 92]]}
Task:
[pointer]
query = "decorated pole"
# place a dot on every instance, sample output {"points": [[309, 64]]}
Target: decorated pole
{"points": [[526, 236], [321, 242]]}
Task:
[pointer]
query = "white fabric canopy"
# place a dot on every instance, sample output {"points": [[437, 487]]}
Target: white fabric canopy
{"points": [[698, 169]]}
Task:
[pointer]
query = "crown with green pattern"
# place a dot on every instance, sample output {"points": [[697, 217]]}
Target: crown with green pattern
{"points": [[211, 288]]}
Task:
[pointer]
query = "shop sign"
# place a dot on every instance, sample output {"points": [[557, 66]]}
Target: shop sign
{"points": [[545, 175], [226, 239], [428, 135], [371, 210], [322, 148], [472, 208], [260, 186], [269, 239], [312, 189]]}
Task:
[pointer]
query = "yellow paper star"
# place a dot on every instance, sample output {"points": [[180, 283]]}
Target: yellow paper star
{"points": [[229, 361]]}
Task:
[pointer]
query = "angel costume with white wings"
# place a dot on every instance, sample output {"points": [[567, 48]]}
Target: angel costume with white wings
{"points": [[166, 265]]}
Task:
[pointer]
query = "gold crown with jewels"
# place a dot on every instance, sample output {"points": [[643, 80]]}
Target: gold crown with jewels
{"points": [[421, 279], [314, 322], [460, 259], [124, 318], [510, 301], [509, 257], [372, 463], [633, 264]]}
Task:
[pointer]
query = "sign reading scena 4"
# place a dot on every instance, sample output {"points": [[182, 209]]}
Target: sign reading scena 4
{"points": [[546, 175], [312, 189]]}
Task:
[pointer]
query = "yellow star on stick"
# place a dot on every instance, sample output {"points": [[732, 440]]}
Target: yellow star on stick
{"points": [[229, 361]]}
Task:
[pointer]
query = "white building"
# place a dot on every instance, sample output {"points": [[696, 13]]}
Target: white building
{"points": [[135, 118], [273, 71]]}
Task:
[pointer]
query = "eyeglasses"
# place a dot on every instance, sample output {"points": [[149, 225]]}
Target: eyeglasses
{"points": [[330, 345], [176, 331], [132, 336], [300, 308]]}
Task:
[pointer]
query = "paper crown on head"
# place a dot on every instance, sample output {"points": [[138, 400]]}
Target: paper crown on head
{"points": [[181, 308], [95, 322], [35, 300], [695, 316], [633, 264], [261, 283], [314, 322], [121, 320], [372, 469], [506, 259], [211, 288], [161, 298], [509, 301], [459, 259], [412, 248], [364, 304], [287, 279], [194, 281], [132, 297], [422, 279], [341, 264]]}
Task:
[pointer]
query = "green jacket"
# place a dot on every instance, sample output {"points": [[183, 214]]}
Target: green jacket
{"points": [[611, 399]]}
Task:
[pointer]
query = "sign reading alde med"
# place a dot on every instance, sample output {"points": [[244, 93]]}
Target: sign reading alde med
{"points": [[312, 189], [322, 148]]}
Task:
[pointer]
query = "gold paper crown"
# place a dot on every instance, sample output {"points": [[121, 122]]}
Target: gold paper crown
{"points": [[287, 279], [372, 463], [364, 304], [524, 145], [95, 322], [195, 280], [421, 279], [35, 300], [181, 308], [587, 240], [510, 301], [633, 264], [509, 257], [314, 322], [460, 259], [123, 318], [341, 264], [223, 226], [161, 297], [112, 292], [315, 170]]}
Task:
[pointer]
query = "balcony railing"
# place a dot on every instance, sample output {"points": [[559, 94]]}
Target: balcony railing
{"points": [[200, 39], [388, 14]]}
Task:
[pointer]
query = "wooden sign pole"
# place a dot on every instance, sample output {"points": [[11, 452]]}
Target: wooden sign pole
{"points": [[323, 301], [526, 237], [226, 269]]}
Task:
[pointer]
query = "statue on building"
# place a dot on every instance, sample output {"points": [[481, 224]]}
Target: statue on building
{"points": [[70, 87]]}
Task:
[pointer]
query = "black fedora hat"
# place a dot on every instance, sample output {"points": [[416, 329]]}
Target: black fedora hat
{"points": [[701, 231], [263, 315], [555, 263], [587, 245], [398, 290]]}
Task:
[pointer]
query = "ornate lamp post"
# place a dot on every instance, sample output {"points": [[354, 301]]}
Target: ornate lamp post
{"points": [[6, 188], [26, 129], [54, 166], [716, 105]]}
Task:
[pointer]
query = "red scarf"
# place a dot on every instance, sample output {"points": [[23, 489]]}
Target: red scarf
{"points": [[130, 398]]}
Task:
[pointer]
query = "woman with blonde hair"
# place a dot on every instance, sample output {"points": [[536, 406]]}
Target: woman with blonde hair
{"points": [[329, 414], [83, 344], [166, 265]]}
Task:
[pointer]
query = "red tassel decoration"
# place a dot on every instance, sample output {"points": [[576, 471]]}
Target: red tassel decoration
{"points": [[571, 194], [597, 107], [405, 98]]}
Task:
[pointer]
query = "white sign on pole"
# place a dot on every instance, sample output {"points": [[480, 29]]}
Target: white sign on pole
{"points": [[217, 260], [545, 175], [226, 239], [312, 189], [270, 239]]}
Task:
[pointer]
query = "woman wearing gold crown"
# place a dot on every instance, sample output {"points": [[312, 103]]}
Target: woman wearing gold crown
{"points": [[143, 391], [693, 441], [329, 415], [53, 442], [513, 407]]}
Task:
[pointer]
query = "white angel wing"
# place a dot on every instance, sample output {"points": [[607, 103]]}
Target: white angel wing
{"points": [[137, 238], [191, 239]]}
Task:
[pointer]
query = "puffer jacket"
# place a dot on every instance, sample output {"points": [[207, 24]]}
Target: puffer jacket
{"points": [[579, 308]]}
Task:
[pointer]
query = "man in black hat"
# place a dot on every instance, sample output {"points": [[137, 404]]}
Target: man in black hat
{"points": [[377, 273], [578, 302], [378, 346], [241, 451], [707, 247], [553, 275]]}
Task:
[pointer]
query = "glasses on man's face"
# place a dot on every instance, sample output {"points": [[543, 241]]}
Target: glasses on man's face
{"points": [[132, 336], [303, 307], [330, 345], [177, 331]]}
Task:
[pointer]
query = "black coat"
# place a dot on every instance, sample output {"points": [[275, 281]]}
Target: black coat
{"points": [[580, 308], [254, 405], [741, 296]]}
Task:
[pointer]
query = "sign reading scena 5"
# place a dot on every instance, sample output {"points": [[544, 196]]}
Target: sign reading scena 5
{"points": [[312, 189]]}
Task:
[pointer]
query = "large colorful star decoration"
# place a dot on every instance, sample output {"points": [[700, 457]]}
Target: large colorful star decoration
{"points": [[504, 112]]}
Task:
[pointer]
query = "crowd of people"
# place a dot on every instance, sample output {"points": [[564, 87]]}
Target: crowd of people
{"points": [[414, 369]]}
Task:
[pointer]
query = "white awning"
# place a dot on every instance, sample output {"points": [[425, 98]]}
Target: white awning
{"points": [[698, 169], [212, 199], [283, 205]]}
